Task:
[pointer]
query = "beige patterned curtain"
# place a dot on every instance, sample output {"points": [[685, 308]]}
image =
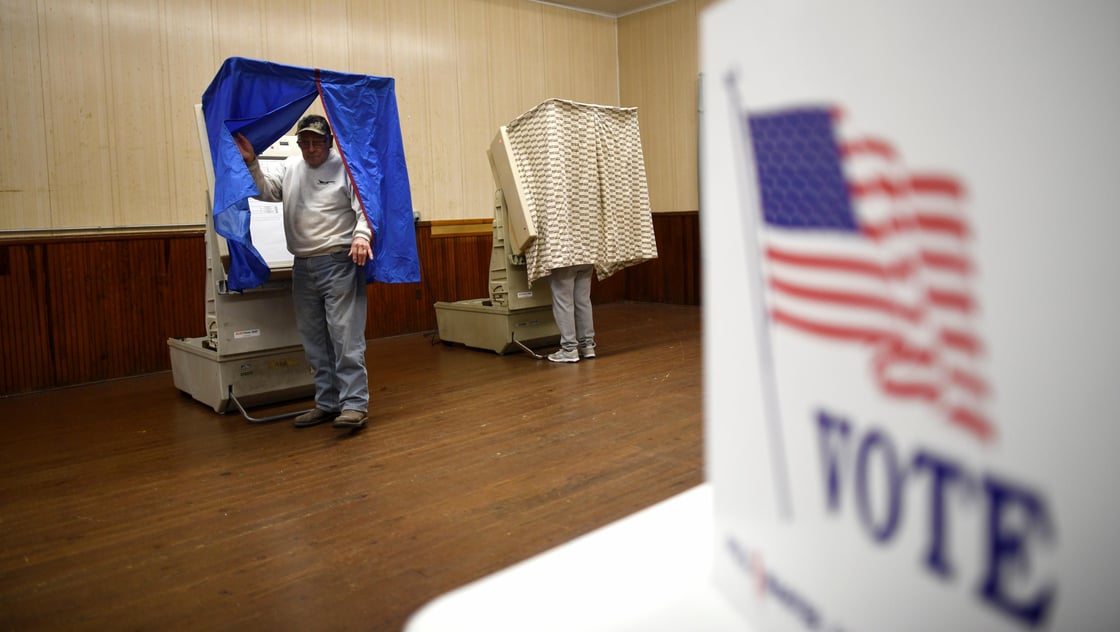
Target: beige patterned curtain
{"points": [[584, 181]]}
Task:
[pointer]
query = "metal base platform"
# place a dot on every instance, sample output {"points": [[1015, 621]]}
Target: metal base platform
{"points": [[239, 380], [478, 324]]}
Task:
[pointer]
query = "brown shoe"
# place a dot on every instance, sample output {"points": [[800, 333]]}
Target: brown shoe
{"points": [[314, 417], [351, 419]]}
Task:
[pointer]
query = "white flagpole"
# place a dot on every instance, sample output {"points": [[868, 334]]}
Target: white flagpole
{"points": [[754, 267]]}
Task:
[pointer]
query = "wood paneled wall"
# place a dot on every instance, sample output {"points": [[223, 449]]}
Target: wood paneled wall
{"points": [[98, 127], [659, 72], [79, 310], [98, 121]]}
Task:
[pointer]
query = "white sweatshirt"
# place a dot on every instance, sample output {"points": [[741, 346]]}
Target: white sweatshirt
{"points": [[321, 213]]}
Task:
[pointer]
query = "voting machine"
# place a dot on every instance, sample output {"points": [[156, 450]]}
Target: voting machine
{"points": [[517, 315], [251, 354]]}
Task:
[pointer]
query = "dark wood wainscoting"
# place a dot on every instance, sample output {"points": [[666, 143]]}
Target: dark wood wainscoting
{"points": [[83, 310], [91, 308]]}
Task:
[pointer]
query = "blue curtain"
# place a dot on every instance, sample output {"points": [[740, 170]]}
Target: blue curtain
{"points": [[263, 100]]}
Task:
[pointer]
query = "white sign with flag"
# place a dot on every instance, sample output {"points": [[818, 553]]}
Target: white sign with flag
{"points": [[910, 312]]}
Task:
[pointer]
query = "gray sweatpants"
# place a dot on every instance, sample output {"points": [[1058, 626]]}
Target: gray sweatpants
{"points": [[571, 305]]}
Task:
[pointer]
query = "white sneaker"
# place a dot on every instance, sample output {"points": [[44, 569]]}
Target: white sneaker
{"points": [[564, 356], [586, 352]]}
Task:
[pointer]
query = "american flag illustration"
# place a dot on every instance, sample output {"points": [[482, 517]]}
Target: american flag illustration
{"points": [[857, 249]]}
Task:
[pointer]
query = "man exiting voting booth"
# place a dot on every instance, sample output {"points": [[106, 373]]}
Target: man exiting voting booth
{"points": [[347, 208], [330, 238]]}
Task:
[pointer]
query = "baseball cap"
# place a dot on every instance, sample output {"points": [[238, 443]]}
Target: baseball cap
{"points": [[314, 123]]}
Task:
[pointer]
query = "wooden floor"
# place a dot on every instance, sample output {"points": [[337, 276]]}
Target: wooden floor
{"points": [[129, 506]]}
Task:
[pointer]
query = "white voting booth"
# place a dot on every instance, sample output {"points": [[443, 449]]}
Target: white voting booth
{"points": [[572, 190], [251, 354], [910, 345], [517, 314]]}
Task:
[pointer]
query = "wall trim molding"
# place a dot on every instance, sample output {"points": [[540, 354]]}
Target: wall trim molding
{"points": [[461, 227], [55, 235]]}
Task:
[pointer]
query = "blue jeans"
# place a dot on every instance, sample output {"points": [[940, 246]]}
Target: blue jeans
{"points": [[571, 305], [329, 293]]}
